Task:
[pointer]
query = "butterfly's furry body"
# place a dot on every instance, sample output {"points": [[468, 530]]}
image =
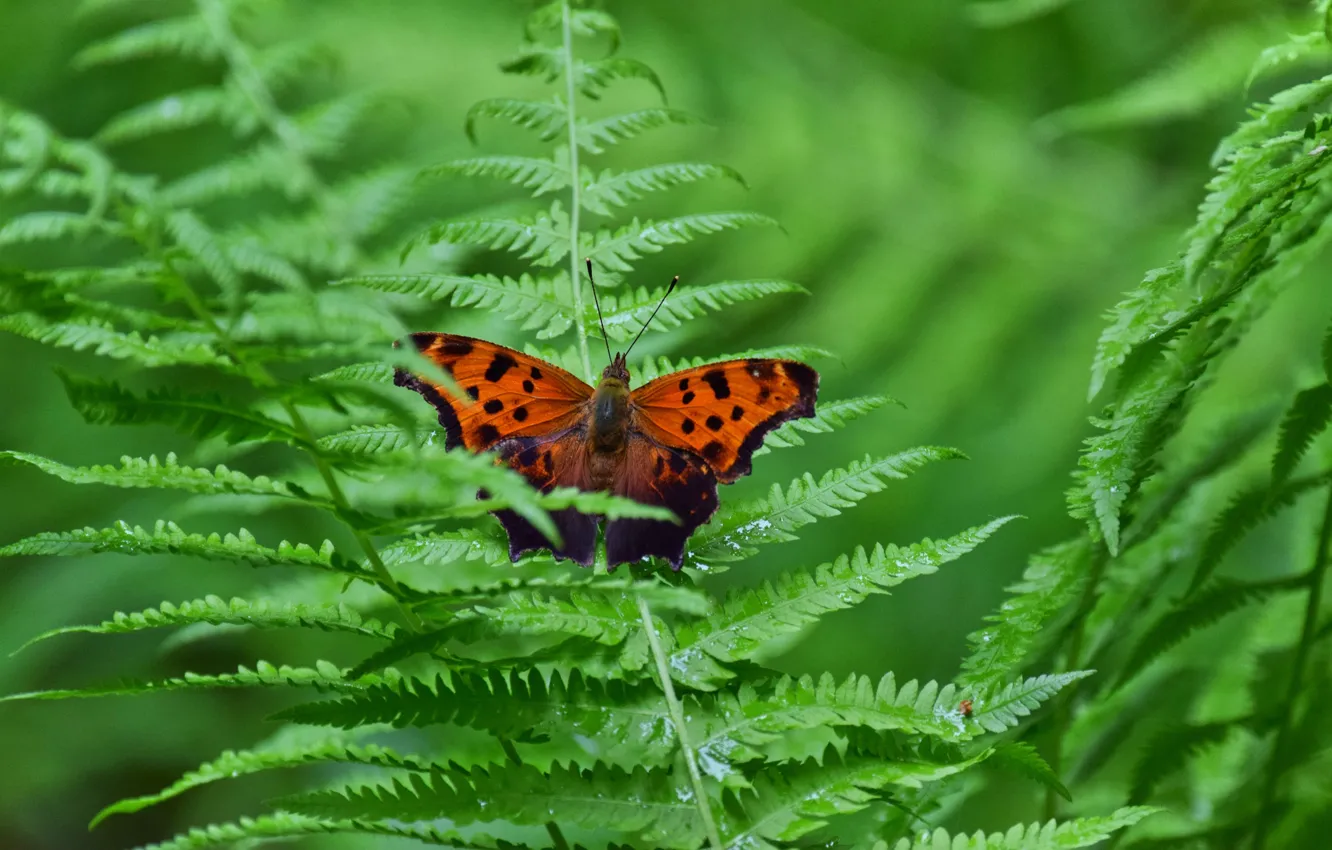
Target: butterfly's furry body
{"points": [[667, 443]]}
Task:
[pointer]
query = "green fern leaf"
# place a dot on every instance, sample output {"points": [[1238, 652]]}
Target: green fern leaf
{"points": [[1307, 417], [1021, 758], [585, 23], [616, 723], [185, 36], [618, 249], [1196, 612], [625, 314], [215, 611], [540, 304], [1004, 707], [733, 535], [1267, 121], [167, 538], [789, 803], [177, 111], [465, 544], [363, 205], [596, 136], [324, 130], [750, 618], [377, 439], [204, 247], [50, 226], [593, 78], [539, 175], [251, 256], [648, 805], [1299, 48], [543, 239], [619, 188], [547, 119], [107, 403], [105, 341], [285, 825], [1249, 509], [267, 165], [289, 748], [324, 676], [1168, 752], [732, 728], [828, 417], [1051, 835], [150, 472]]}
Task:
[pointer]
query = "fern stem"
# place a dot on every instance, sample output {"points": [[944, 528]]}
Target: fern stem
{"points": [[1275, 764], [677, 718], [575, 190]]}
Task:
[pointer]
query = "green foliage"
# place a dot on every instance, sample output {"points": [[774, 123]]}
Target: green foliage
{"points": [[1083, 832]]}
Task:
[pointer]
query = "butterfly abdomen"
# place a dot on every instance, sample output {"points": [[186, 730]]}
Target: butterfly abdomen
{"points": [[610, 417]]}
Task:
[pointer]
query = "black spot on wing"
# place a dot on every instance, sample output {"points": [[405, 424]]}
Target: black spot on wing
{"points": [[493, 406], [737, 413], [684, 385], [488, 433], [499, 365], [520, 414], [528, 386], [687, 397], [716, 379], [457, 347], [474, 392], [714, 422], [712, 451], [687, 425], [536, 374], [677, 463]]}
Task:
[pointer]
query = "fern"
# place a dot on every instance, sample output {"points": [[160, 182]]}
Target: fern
{"points": [[1082, 832], [1306, 419]]}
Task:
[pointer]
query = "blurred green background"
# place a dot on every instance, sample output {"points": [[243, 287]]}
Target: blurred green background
{"points": [[961, 226]]}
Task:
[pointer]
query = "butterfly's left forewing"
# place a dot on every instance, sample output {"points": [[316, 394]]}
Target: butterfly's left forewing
{"points": [[721, 412]]}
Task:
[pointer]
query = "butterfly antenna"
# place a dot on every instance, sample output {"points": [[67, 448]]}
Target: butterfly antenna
{"points": [[597, 301], [669, 290]]}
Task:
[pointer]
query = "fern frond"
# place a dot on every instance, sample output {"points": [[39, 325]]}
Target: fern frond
{"points": [[789, 803], [543, 238], [750, 618], [285, 825], [733, 535], [617, 723], [828, 417], [547, 119], [204, 247], [266, 165], [105, 341], [185, 36], [541, 304], [324, 676], [1003, 708], [534, 173], [1021, 758], [177, 111], [592, 78], [1307, 417], [166, 474], [619, 188], [1049, 585], [616, 250], [364, 204], [289, 748], [325, 128], [1194, 613], [108, 403], [465, 544], [1051, 835], [624, 315], [215, 611], [596, 136], [377, 439], [52, 226], [167, 538], [646, 804], [583, 22], [1246, 511]]}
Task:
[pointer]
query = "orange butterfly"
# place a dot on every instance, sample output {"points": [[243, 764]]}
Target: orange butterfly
{"points": [[667, 443]]}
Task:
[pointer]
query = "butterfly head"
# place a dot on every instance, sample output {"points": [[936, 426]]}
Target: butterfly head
{"points": [[617, 371]]}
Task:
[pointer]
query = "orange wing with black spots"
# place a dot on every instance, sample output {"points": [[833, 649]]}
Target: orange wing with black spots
{"points": [[510, 394], [721, 412], [653, 474]]}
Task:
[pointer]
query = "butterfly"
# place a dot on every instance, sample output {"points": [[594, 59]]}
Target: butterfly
{"points": [[668, 443]]}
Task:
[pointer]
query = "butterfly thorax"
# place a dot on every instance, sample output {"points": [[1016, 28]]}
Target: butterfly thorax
{"points": [[610, 410]]}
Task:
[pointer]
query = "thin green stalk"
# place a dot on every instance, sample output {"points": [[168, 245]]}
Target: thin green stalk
{"points": [[678, 720], [1275, 764], [575, 192]]}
